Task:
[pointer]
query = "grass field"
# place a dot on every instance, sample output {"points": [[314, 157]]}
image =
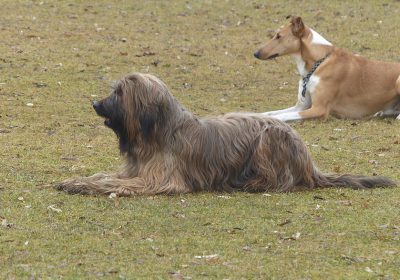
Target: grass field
{"points": [[57, 56]]}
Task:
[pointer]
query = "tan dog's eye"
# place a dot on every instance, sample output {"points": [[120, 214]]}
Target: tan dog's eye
{"points": [[278, 36]]}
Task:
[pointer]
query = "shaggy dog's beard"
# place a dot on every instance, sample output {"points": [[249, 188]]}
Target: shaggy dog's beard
{"points": [[169, 150]]}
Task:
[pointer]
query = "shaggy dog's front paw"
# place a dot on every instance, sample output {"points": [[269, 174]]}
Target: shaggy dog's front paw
{"points": [[73, 187]]}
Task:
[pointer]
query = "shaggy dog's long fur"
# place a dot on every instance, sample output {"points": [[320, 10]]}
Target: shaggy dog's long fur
{"points": [[169, 150]]}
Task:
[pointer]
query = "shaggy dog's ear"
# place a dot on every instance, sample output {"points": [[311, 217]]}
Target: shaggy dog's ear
{"points": [[147, 122], [145, 104]]}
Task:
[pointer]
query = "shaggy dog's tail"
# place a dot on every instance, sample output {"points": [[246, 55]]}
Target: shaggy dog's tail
{"points": [[352, 181]]}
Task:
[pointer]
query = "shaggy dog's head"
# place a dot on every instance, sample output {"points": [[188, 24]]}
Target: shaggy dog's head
{"points": [[136, 109]]}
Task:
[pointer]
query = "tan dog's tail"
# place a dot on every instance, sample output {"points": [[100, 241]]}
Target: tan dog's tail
{"points": [[352, 181]]}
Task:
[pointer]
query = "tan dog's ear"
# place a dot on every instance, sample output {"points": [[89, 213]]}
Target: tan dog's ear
{"points": [[297, 26]]}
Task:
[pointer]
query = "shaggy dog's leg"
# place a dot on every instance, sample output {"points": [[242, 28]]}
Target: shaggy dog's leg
{"points": [[105, 184], [120, 185]]}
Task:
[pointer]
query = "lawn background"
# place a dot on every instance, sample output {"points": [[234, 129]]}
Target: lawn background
{"points": [[58, 56]]}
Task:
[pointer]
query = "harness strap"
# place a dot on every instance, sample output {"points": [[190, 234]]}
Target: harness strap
{"points": [[306, 79]]}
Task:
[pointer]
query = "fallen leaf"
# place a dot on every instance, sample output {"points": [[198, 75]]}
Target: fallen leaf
{"points": [[336, 168], [146, 53], [176, 275], [187, 85], [345, 202], [156, 62], [247, 248], [6, 224], [112, 271], [39, 84], [194, 54], [285, 222], [259, 6], [112, 195], [353, 259], [178, 215], [207, 257], [383, 226], [54, 208], [69, 158], [296, 235], [390, 252], [50, 132], [73, 16]]}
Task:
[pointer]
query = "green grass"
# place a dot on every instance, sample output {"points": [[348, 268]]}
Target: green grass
{"points": [[60, 55]]}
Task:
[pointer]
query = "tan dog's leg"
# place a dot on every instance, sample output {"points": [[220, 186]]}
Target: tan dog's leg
{"points": [[393, 108], [398, 92], [317, 106], [392, 111], [295, 108], [315, 112], [303, 103]]}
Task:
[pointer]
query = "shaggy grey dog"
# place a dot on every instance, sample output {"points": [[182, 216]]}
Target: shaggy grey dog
{"points": [[169, 150]]}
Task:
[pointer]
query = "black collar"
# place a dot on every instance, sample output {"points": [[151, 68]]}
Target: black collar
{"points": [[306, 79]]}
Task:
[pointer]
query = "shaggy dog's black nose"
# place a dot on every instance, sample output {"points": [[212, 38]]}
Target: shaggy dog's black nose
{"points": [[95, 104], [257, 54]]}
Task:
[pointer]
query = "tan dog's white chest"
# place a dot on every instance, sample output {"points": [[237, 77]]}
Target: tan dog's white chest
{"points": [[312, 84], [301, 65], [306, 100]]}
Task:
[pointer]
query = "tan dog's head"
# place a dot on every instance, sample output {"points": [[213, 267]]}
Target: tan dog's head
{"points": [[285, 41]]}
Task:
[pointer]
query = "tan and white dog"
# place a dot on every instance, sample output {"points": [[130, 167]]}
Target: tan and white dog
{"points": [[333, 81]]}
